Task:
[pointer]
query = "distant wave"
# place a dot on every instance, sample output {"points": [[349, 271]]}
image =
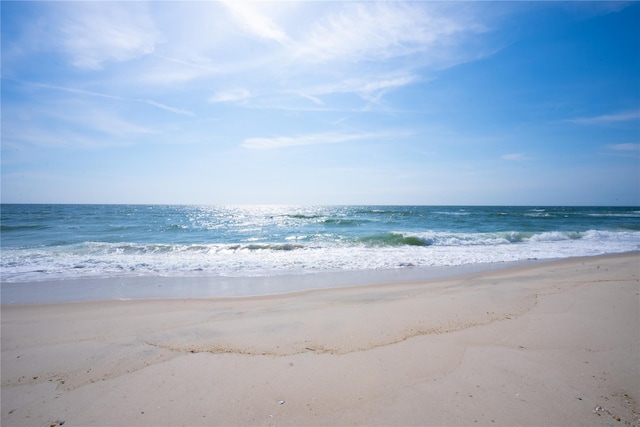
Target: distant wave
{"points": [[344, 221], [392, 239], [9, 228], [635, 214], [477, 239], [452, 213], [303, 216]]}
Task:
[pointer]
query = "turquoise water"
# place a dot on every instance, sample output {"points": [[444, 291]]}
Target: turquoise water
{"points": [[50, 242]]}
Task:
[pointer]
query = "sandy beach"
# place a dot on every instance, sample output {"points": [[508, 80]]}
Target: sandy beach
{"points": [[555, 343]]}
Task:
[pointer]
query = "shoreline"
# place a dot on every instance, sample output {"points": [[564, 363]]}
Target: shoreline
{"points": [[203, 287], [553, 343]]}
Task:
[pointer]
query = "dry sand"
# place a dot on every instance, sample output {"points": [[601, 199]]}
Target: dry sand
{"points": [[548, 344]]}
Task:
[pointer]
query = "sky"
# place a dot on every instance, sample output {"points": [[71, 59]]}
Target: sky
{"points": [[314, 102]]}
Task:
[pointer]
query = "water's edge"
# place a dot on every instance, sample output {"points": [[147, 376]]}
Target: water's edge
{"points": [[147, 287]]}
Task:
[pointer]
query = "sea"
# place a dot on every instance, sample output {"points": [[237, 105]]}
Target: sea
{"points": [[41, 242]]}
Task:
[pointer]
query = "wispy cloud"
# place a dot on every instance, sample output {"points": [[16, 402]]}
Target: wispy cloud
{"points": [[249, 17], [631, 149], [624, 147], [92, 33], [364, 38], [108, 96], [312, 98], [366, 88], [595, 8], [71, 90], [165, 107], [514, 157], [109, 124], [365, 31], [300, 44], [230, 95], [312, 139], [608, 118], [80, 130]]}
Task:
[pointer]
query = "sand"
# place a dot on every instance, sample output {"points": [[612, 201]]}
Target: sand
{"points": [[555, 343]]}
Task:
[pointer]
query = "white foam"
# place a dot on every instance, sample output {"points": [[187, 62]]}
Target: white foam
{"points": [[250, 259]]}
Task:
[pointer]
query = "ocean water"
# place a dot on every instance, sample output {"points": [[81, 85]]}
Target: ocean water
{"points": [[55, 242]]}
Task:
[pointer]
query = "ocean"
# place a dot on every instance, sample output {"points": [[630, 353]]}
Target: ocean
{"points": [[59, 242]]}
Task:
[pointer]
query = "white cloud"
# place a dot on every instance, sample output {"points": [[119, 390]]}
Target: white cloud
{"points": [[369, 88], [514, 157], [208, 40], [312, 139], [99, 120], [107, 96], [588, 9], [80, 130], [380, 31], [165, 107], [347, 48], [170, 71], [312, 98], [92, 33], [608, 118], [364, 87], [230, 95], [624, 147], [247, 15], [628, 150]]}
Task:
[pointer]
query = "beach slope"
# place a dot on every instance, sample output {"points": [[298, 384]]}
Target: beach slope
{"points": [[555, 343]]}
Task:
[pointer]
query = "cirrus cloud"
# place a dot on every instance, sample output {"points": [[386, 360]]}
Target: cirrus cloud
{"points": [[380, 31], [624, 116], [92, 33], [514, 157], [630, 149], [230, 95], [310, 139]]}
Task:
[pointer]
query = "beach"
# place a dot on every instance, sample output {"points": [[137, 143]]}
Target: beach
{"points": [[551, 343]]}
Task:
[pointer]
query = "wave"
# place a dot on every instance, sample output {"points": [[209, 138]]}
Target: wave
{"points": [[629, 227], [303, 216], [95, 248], [541, 214], [324, 253], [177, 227], [296, 242], [392, 239], [432, 238], [273, 247], [6, 228], [344, 221], [453, 213], [390, 210], [634, 214]]}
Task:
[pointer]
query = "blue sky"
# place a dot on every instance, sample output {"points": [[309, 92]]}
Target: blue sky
{"points": [[321, 102]]}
